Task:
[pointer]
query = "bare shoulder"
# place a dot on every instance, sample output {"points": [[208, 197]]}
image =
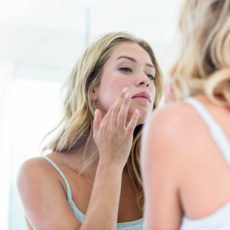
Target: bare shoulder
{"points": [[42, 193], [162, 162], [36, 163], [171, 121], [166, 136], [36, 167], [37, 175]]}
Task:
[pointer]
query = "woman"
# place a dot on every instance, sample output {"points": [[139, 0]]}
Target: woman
{"points": [[186, 147], [93, 167]]}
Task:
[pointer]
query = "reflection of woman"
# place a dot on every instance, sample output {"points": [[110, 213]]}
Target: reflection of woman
{"points": [[94, 164], [186, 149]]}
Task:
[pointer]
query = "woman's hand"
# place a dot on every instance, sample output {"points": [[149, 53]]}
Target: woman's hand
{"points": [[168, 88], [113, 135], [169, 95]]}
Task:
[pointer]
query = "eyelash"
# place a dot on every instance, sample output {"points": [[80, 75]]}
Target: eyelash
{"points": [[124, 69], [127, 69], [151, 77]]}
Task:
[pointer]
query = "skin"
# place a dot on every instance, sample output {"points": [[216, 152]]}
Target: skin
{"points": [[183, 170], [128, 67], [104, 193], [169, 95]]}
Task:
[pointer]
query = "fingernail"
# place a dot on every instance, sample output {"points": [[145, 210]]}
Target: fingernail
{"points": [[137, 111], [127, 95], [124, 90]]}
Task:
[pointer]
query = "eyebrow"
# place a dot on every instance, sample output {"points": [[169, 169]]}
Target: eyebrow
{"points": [[134, 60]]}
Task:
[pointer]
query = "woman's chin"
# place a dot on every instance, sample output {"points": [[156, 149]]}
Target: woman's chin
{"points": [[142, 120], [143, 115]]}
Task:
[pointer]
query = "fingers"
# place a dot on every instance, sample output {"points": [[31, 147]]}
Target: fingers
{"points": [[122, 115], [168, 91], [133, 122], [118, 106], [117, 114], [107, 117], [96, 122]]}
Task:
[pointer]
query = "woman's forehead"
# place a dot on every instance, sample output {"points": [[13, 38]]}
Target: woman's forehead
{"points": [[132, 50]]}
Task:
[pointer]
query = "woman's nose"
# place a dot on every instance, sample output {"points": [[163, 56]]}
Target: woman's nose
{"points": [[143, 80]]}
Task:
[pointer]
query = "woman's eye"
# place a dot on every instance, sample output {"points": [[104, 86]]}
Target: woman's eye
{"points": [[151, 77], [125, 69]]}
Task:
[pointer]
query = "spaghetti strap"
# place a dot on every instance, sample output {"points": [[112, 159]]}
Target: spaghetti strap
{"points": [[215, 130], [69, 193], [79, 215], [134, 225]]}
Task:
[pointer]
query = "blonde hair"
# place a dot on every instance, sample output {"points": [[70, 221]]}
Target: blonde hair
{"points": [[204, 62], [75, 128]]}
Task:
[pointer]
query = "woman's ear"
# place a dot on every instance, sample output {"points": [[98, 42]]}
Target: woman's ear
{"points": [[94, 94]]}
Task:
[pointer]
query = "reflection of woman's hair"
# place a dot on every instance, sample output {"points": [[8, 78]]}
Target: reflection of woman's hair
{"points": [[75, 128], [204, 61]]}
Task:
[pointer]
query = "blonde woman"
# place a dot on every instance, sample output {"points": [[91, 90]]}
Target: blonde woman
{"points": [[91, 179], [186, 147]]}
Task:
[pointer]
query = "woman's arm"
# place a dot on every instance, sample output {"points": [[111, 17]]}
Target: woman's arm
{"points": [[113, 137], [160, 164], [45, 203], [43, 196]]}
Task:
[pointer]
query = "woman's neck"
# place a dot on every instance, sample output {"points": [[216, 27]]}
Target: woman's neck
{"points": [[89, 157]]}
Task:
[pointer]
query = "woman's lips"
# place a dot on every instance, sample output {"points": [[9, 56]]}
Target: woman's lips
{"points": [[142, 95]]}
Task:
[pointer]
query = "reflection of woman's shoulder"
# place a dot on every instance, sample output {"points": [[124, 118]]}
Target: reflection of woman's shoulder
{"points": [[36, 165], [38, 168], [36, 179]]}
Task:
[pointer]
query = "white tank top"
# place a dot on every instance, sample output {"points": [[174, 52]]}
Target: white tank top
{"points": [[220, 220]]}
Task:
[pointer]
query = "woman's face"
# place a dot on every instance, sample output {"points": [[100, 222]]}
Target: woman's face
{"points": [[129, 66]]}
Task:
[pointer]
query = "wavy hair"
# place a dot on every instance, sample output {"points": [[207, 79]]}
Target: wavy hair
{"points": [[75, 128], [204, 61]]}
